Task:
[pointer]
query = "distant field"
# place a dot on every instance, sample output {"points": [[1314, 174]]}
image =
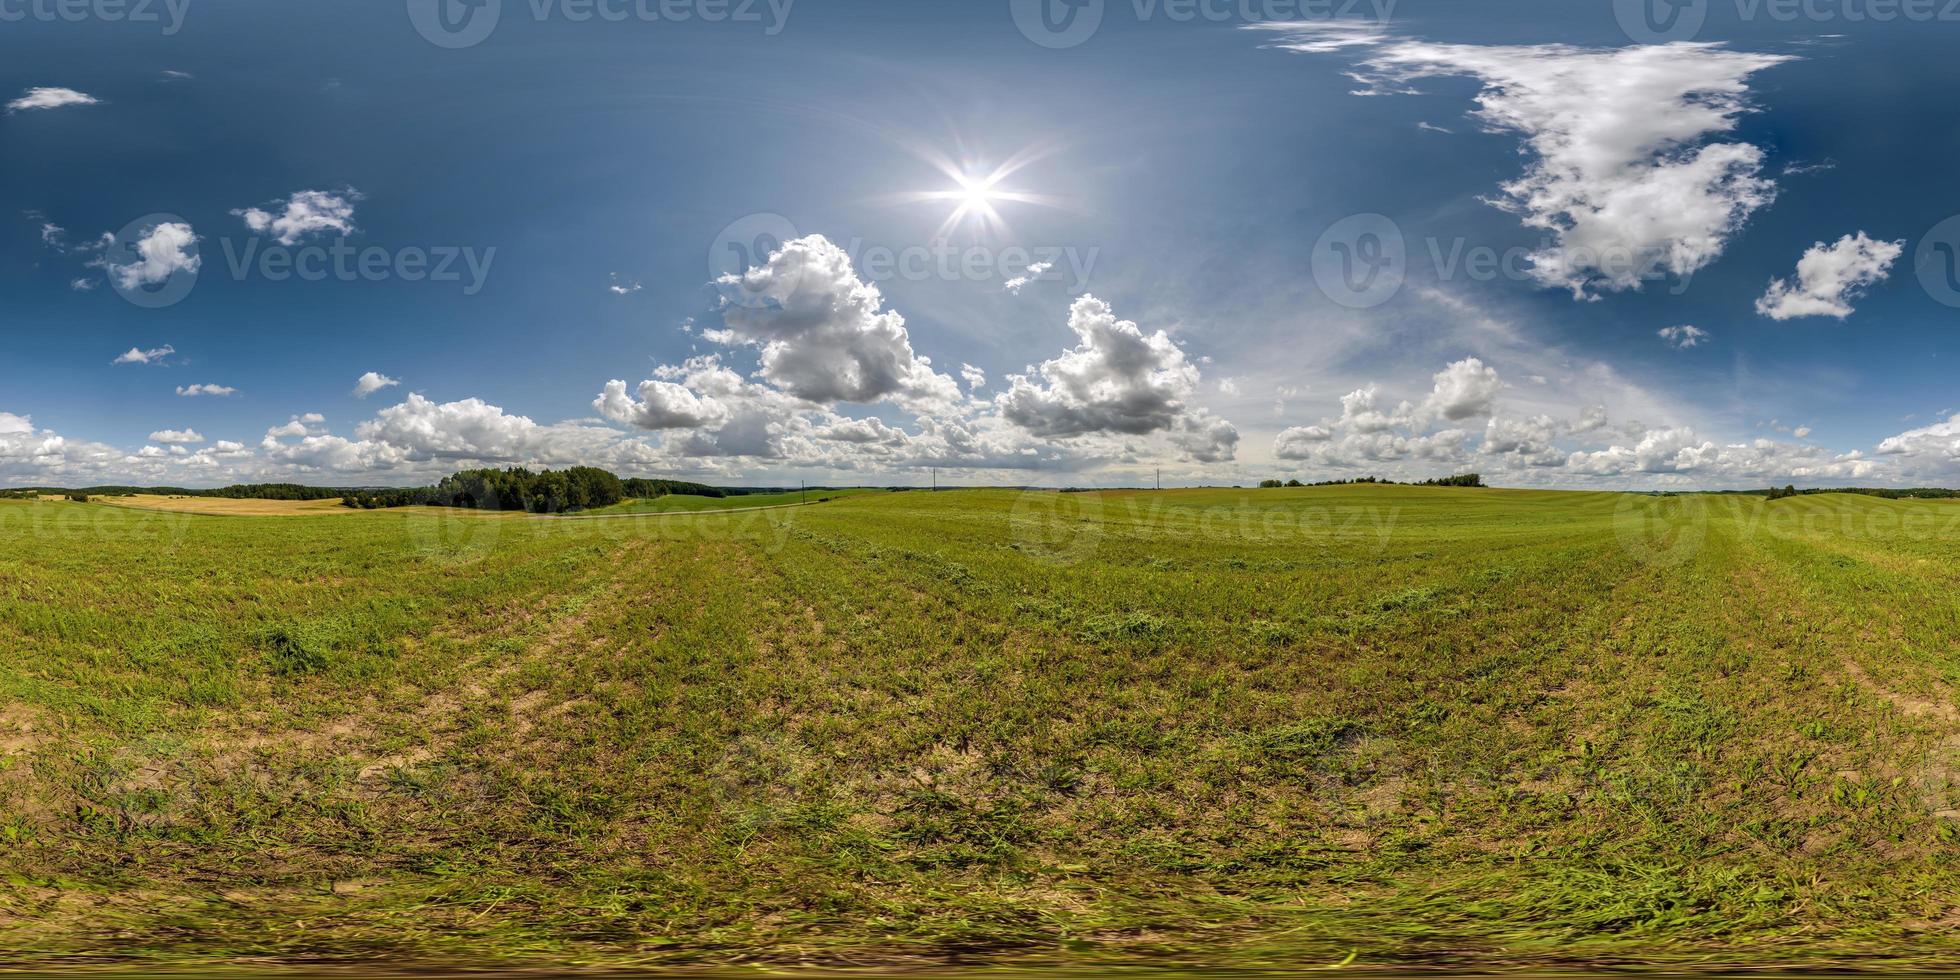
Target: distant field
{"points": [[683, 502], [1241, 728], [225, 505]]}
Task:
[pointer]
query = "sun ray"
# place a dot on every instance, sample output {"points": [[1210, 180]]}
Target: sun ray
{"points": [[977, 191]]}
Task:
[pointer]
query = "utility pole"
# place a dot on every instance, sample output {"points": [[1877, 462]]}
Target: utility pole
{"points": [[1160, 478], [803, 493], [935, 479]]}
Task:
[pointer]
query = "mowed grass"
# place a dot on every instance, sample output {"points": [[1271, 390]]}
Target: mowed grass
{"points": [[224, 505], [672, 503], [1228, 728]]}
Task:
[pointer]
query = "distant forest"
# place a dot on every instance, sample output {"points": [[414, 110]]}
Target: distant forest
{"points": [[540, 492], [543, 492], [1460, 480]]}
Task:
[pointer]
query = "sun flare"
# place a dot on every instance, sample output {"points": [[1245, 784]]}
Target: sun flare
{"points": [[977, 193]]}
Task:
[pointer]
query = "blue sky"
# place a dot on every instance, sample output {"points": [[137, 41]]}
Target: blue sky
{"points": [[1205, 189]]}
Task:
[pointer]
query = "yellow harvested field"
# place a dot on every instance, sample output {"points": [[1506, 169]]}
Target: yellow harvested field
{"points": [[224, 505]]}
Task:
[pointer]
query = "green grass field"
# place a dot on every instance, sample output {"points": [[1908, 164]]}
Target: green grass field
{"points": [[683, 502], [1228, 728]]}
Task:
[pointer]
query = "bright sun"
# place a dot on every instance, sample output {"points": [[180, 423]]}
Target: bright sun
{"points": [[977, 193]]}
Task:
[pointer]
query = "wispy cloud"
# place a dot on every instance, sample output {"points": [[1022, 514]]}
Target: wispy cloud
{"points": [[138, 355], [50, 98]]}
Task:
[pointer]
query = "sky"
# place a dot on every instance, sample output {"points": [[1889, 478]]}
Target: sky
{"points": [[1645, 244]]}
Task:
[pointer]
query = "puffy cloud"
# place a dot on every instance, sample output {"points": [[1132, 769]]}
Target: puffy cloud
{"points": [[661, 405], [139, 355], [50, 98], [302, 214], [192, 391], [42, 457], [1830, 277], [1463, 390], [1683, 337], [975, 378], [176, 437], [1361, 412], [1659, 451], [1300, 441], [1117, 379], [1591, 418], [1531, 441], [1625, 165], [1940, 441], [862, 431], [161, 252], [466, 429], [1205, 438], [823, 334], [1681, 451], [371, 382], [731, 417]]}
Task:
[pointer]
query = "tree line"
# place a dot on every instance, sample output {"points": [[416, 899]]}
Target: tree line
{"points": [[1459, 480], [517, 488], [1912, 493]]}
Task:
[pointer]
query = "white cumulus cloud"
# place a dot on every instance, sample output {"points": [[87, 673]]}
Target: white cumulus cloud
{"points": [[161, 252], [661, 405], [823, 334], [302, 214], [1684, 336], [371, 382], [1829, 277]]}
